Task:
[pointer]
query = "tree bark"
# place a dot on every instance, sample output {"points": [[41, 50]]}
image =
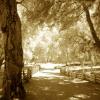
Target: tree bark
{"points": [[93, 32], [1, 62], [11, 28]]}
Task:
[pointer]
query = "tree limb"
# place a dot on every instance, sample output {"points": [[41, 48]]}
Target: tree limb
{"points": [[90, 23], [20, 2]]}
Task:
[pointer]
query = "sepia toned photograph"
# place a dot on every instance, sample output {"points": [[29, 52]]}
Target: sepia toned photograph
{"points": [[49, 49]]}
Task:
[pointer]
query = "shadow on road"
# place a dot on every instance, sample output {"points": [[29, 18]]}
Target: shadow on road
{"points": [[47, 85]]}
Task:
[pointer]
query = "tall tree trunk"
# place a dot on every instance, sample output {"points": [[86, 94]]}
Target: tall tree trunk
{"points": [[93, 32], [11, 28]]}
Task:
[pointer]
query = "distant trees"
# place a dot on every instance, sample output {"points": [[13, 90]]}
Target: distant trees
{"points": [[65, 14]]}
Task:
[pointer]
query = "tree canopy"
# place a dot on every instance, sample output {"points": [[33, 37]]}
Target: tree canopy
{"points": [[65, 15]]}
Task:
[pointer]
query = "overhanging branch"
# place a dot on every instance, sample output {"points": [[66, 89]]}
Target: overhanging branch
{"points": [[91, 26], [20, 2]]}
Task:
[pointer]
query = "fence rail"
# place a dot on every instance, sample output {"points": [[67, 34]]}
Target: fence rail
{"points": [[28, 71], [87, 74]]}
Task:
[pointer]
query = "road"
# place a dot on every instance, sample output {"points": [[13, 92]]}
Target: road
{"points": [[48, 84]]}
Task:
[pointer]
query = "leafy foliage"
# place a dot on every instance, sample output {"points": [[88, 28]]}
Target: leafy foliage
{"points": [[65, 14]]}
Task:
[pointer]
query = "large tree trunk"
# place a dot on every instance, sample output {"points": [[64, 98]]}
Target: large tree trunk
{"points": [[11, 28], [93, 32]]}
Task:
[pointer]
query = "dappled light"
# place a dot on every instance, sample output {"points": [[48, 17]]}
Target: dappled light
{"points": [[79, 81], [82, 96], [50, 65], [49, 49], [48, 73], [43, 38], [48, 85], [73, 98]]}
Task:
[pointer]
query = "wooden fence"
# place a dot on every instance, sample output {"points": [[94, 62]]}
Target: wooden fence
{"points": [[28, 71], [87, 74]]}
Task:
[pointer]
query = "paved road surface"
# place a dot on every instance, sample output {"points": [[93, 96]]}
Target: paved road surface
{"points": [[50, 85]]}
